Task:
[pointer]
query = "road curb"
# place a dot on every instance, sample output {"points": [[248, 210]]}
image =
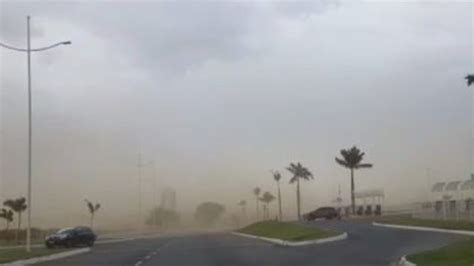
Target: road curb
{"points": [[421, 228], [294, 244], [47, 258], [404, 262]]}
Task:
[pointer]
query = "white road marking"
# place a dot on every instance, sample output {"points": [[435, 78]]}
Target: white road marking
{"points": [[138, 263]]}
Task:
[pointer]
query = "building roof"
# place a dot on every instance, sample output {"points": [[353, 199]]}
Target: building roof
{"points": [[438, 187], [369, 193], [452, 186], [468, 185]]}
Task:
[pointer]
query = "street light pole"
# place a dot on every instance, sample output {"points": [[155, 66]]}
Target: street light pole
{"points": [[140, 191], [28, 51], [140, 165], [28, 231]]}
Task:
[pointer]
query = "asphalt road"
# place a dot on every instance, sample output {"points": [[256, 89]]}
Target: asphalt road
{"points": [[366, 245]]}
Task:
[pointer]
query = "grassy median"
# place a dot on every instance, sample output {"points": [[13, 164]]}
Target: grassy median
{"points": [[441, 224], [457, 254], [14, 254], [286, 231]]}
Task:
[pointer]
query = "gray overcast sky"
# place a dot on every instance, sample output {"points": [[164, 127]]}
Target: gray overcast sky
{"points": [[218, 93]]}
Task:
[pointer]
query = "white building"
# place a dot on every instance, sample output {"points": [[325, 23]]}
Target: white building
{"points": [[453, 199]]}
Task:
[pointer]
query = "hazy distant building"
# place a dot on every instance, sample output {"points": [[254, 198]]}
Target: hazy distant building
{"points": [[168, 199], [453, 198]]}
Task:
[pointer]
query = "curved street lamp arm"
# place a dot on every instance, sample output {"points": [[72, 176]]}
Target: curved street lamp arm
{"points": [[51, 46], [12, 48], [36, 49]]}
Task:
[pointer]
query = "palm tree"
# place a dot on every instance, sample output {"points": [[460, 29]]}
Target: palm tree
{"points": [[266, 198], [242, 204], [352, 159], [299, 172], [92, 209], [18, 206], [277, 177], [256, 192], [8, 216]]}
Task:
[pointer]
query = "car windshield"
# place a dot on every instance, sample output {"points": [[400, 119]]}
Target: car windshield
{"points": [[65, 231]]}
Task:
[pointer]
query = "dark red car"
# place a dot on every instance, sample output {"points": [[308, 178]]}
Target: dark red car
{"points": [[327, 213]]}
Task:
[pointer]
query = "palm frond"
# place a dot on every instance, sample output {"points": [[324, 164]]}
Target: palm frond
{"points": [[469, 79], [17, 205], [342, 162], [293, 179], [352, 158], [90, 206], [256, 191], [365, 165], [276, 175], [9, 216], [267, 197], [299, 171]]}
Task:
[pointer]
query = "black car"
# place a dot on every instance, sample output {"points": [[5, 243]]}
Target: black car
{"points": [[323, 212], [70, 237]]}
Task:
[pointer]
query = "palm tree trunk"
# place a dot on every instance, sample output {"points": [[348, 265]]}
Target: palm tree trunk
{"points": [[298, 199], [7, 235], [279, 202], [352, 192], [92, 220], [19, 226], [256, 204]]}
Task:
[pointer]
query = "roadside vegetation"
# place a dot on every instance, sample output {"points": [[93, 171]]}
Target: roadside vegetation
{"points": [[441, 224], [14, 254], [162, 218], [286, 231], [299, 172], [17, 206], [352, 160], [93, 208], [457, 254], [208, 213]]}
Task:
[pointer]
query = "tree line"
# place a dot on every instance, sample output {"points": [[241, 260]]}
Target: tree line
{"points": [[18, 206], [351, 159]]}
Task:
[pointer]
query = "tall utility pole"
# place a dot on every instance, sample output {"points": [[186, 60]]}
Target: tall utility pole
{"points": [[28, 51], [140, 164], [155, 193]]}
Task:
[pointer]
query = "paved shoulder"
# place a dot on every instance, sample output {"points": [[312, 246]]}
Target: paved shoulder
{"points": [[366, 245], [116, 254]]}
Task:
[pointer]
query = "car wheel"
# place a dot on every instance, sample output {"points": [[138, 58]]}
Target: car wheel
{"points": [[90, 243], [49, 246]]}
